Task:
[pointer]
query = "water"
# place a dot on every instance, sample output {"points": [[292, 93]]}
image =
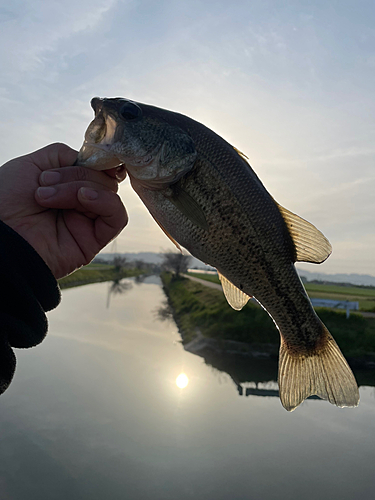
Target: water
{"points": [[94, 413]]}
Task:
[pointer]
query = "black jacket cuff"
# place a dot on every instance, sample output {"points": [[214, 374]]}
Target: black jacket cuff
{"points": [[27, 290]]}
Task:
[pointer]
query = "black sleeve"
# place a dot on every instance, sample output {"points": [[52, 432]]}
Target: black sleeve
{"points": [[27, 290]]}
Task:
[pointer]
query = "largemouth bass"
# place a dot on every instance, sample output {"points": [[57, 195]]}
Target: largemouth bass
{"points": [[206, 197]]}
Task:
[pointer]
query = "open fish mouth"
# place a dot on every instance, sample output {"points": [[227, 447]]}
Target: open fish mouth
{"points": [[97, 149], [103, 146], [97, 157]]}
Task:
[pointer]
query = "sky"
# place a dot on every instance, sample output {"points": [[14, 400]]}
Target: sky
{"points": [[291, 84]]}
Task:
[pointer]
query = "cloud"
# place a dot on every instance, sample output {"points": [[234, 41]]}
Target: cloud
{"points": [[40, 25], [291, 85]]}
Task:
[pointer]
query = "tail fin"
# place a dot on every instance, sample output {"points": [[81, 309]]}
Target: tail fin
{"points": [[324, 373]]}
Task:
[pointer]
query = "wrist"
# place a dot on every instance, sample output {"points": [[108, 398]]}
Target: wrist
{"points": [[18, 257]]}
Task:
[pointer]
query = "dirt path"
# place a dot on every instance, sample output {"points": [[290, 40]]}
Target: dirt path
{"points": [[366, 314], [216, 286]]}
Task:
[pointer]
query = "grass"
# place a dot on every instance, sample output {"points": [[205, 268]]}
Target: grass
{"points": [[198, 307], [96, 265], [96, 273], [355, 335], [364, 296]]}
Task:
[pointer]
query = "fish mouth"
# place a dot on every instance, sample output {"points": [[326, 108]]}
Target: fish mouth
{"points": [[97, 156], [101, 149], [97, 151], [103, 157], [96, 104]]}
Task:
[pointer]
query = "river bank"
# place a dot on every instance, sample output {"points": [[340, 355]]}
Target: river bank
{"points": [[206, 322], [364, 295], [93, 274]]}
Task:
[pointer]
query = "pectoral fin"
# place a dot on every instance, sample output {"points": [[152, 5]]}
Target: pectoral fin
{"points": [[190, 208], [310, 244], [235, 297]]}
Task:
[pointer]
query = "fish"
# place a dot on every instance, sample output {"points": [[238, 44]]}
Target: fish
{"points": [[205, 196]]}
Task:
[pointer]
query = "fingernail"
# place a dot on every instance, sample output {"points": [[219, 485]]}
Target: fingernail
{"points": [[89, 194], [120, 173], [46, 192], [49, 177]]}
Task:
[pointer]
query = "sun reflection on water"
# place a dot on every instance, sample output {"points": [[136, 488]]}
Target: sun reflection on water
{"points": [[182, 380]]}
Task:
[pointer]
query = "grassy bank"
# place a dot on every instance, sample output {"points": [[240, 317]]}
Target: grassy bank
{"points": [[96, 273], [365, 296], [198, 307]]}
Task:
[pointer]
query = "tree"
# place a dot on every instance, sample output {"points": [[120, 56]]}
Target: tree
{"points": [[140, 264], [119, 261], [175, 262]]}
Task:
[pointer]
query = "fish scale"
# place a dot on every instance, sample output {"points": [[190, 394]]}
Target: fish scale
{"points": [[206, 197]]}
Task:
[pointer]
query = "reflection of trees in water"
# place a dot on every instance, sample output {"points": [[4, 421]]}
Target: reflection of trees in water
{"points": [[164, 313], [256, 376], [364, 377], [118, 287], [140, 279], [244, 370], [251, 374]]}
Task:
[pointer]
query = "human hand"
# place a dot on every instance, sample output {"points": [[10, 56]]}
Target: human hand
{"points": [[67, 213]]}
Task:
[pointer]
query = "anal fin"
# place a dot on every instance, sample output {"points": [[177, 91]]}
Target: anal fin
{"points": [[235, 297], [324, 373]]}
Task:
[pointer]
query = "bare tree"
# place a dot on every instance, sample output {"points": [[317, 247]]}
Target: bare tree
{"points": [[175, 262], [140, 264], [119, 261]]}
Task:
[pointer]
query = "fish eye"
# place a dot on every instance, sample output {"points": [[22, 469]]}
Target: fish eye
{"points": [[130, 111]]}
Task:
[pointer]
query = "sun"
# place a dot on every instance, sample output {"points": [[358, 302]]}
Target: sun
{"points": [[182, 381]]}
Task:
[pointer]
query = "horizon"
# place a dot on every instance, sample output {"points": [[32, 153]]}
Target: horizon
{"points": [[358, 278], [289, 85]]}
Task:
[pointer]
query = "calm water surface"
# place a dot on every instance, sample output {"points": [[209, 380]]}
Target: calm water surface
{"points": [[95, 413]]}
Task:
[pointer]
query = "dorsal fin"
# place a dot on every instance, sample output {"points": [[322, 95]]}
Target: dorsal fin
{"points": [[241, 154], [235, 297], [311, 245]]}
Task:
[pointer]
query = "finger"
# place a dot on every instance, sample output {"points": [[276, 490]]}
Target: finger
{"points": [[64, 196], [53, 156], [111, 217], [77, 174]]}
